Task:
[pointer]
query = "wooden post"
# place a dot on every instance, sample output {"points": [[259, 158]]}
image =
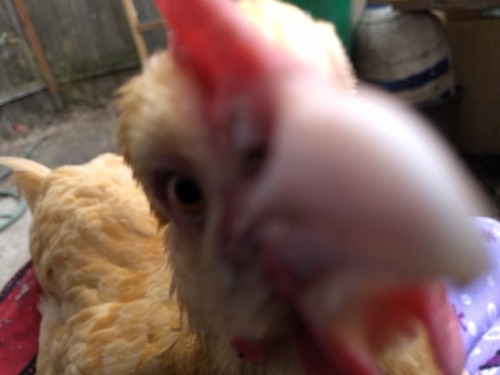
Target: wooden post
{"points": [[37, 50], [133, 22], [138, 28]]}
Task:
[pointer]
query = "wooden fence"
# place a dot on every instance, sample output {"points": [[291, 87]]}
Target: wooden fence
{"points": [[79, 40], [84, 49], [18, 71]]}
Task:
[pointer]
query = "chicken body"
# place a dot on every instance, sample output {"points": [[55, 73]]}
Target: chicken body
{"points": [[107, 306]]}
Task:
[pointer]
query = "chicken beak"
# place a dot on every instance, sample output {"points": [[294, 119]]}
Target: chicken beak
{"points": [[356, 173], [367, 181], [358, 214]]}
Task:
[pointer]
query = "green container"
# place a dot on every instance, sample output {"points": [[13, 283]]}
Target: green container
{"points": [[336, 11]]}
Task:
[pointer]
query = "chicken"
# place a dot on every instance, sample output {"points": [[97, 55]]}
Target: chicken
{"points": [[310, 221], [107, 306]]}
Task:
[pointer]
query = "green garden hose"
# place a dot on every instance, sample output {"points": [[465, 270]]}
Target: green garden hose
{"points": [[6, 220]]}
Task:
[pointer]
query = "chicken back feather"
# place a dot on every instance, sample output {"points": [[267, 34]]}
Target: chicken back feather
{"points": [[107, 305]]}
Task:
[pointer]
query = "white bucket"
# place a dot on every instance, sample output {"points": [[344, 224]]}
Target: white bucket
{"points": [[406, 53]]}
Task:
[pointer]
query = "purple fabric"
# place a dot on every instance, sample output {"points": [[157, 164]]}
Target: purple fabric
{"points": [[478, 308]]}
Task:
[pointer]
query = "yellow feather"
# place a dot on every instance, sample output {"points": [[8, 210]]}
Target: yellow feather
{"points": [[100, 260]]}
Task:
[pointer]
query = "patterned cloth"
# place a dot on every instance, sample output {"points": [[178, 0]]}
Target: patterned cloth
{"points": [[478, 308], [19, 323]]}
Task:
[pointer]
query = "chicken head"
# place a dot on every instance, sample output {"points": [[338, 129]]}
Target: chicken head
{"points": [[311, 221]]}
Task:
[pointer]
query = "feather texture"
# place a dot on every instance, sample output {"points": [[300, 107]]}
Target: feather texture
{"points": [[107, 307]]}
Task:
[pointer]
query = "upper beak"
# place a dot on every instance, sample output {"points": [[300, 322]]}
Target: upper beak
{"points": [[367, 181]]}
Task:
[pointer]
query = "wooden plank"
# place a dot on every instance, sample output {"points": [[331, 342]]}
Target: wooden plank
{"points": [[22, 43], [20, 92], [111, 31], [465, 14], [150, 26], [17, 66], [476, 55], [79, 39], [466, 4], [440, 4], [80, 36], [101, 71], [131, 13], [36, 47]]}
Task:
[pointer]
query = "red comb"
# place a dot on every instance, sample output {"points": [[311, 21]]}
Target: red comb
{"points": [[232, 62], [212, 37]]}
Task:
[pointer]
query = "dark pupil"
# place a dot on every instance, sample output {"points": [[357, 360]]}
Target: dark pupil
{"points": [[187, 191]]}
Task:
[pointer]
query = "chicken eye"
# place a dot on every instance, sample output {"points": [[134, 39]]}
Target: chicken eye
{"points": [[185, 195]]}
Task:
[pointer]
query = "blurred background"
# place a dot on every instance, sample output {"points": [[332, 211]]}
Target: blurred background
{"points": [[64, 54]]}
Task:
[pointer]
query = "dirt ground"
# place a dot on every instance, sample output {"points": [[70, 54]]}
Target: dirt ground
{"points": [[73, 137]]}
